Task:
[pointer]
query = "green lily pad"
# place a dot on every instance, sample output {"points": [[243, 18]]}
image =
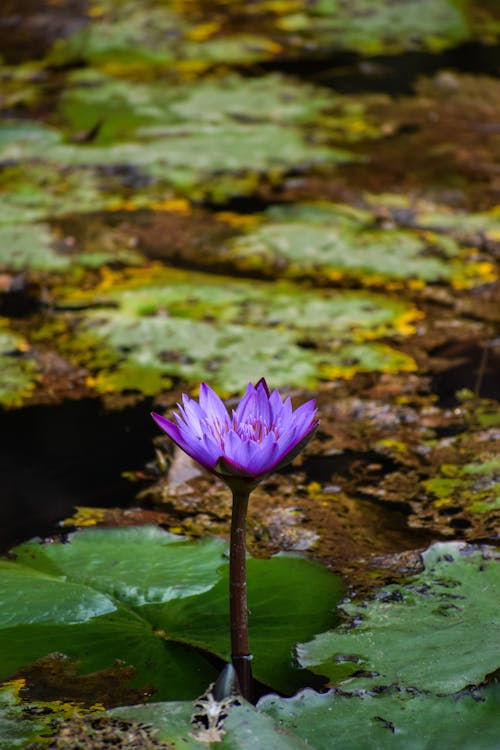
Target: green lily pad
{"points": [[436, 632], [393, 719], [241, 727], [475, 486], [144, 353], [373, 27], [25, 246], [272, 633], [138, 595], [335, 241], [20, 139], [36, 247], [46, 190], [125, 35], [201, 327], [125, 108], [182, 155], [390, 720], [324, 313]]}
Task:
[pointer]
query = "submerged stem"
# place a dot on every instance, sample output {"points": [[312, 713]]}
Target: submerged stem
{"points": [[240, 649]]}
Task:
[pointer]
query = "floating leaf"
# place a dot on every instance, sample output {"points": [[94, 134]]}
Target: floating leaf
{"points": [[372, 27], [146, 597], [436, 632], [125, 108], [331, 242], [192, 327], [29, 246], [47, 190], [392, 719], [240, 728], [475, 486]]}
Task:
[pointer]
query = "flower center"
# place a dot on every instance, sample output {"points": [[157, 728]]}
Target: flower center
{"points": [[252, 429]]}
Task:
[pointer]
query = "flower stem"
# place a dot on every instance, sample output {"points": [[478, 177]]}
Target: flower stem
{"points": [[240, 649]]}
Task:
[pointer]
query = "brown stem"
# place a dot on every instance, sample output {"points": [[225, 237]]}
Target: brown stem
{"points": [[240, 649]]}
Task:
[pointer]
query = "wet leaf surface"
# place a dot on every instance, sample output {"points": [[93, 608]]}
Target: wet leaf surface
{"points": [[393, 718], [421, 634]]}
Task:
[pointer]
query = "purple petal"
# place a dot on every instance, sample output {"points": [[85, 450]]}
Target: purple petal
{"points": [[194, 415], [296, 444], [194, 447], [245, 407], [276, 404], [234, 449], [262, 384], [212, 405], [267, 456], [262, 404]]}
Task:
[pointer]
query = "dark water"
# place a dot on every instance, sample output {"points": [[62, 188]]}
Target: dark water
{"points": [[53, 458], [349, 73]]}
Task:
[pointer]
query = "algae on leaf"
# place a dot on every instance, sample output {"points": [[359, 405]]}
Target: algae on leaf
{"points": [[17, 727]]}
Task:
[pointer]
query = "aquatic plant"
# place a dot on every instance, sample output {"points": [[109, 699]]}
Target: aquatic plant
{"points": [[262, 435]]}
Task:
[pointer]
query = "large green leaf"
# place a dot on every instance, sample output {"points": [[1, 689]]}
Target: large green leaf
{"points": [[147, 597], [243, 729], [390, 720], [436, 632], [85, 600], [283, 602], [332, 721]]}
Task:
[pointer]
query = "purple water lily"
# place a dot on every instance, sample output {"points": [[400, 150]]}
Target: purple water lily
{"points": [[261, 435]]}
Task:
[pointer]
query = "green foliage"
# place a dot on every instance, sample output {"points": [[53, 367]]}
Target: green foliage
{"points": [[147, 35], [436, 632], [331, 241], [17, 729], [147, 598], [241, 727], [392, 719], [25, 246], [372, 27], [47, 190], [474, 485], [228, 331], [125, 108]]}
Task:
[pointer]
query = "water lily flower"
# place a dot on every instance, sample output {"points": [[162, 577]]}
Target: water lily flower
{"points": [[261, 435]]}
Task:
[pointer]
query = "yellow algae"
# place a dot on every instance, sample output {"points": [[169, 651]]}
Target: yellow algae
{"points": [[237, 220], [203, 31], [85, 516]]}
